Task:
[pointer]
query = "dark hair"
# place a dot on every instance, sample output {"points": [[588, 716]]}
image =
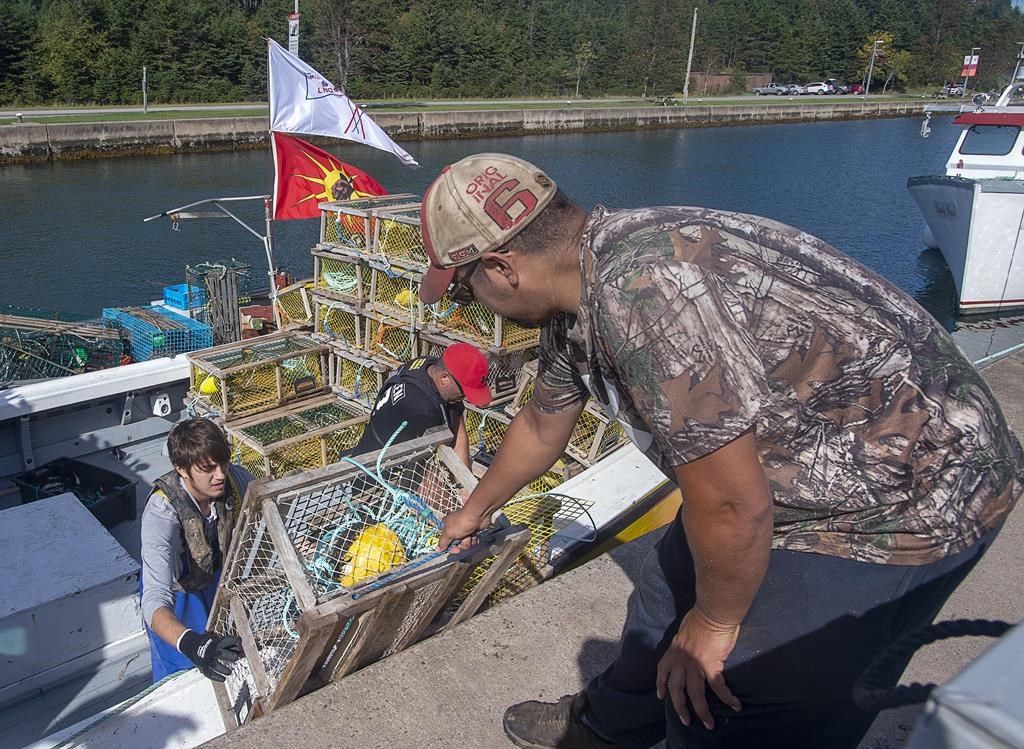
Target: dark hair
{"points": [[549, 225], [197, 443]]}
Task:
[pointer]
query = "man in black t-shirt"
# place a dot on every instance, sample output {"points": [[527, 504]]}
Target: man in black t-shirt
{"points": [[428, 392]]}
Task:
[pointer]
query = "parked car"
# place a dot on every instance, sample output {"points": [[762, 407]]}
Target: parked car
{"points": [[835, 87], [776, 89], [795, 89], [953, 89], [856, 88], [818, 87]]}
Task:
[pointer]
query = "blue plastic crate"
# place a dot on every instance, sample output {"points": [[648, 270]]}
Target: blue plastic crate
{"points": [[150, 341], [177, 296]]}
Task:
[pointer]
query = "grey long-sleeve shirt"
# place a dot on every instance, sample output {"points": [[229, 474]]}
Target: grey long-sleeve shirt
{"points": [[163, 545]]}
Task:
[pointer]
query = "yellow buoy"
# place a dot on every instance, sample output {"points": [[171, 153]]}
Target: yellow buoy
{"points": [[376, 549], [405, 298], [208, 386]]}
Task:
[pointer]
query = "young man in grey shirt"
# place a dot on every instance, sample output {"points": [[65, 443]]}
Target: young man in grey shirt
{"points": [[186, 531]]}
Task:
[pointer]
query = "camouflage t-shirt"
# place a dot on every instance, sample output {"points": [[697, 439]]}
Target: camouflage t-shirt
{"points": [[880, 441]]}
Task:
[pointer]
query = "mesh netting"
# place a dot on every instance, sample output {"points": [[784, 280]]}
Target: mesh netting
{"points": [[396, 292], [339, 322], [346, 278], [348, 532], [390, 341], [397, 236], [546, 516], [504, 368], [266, 377], [35, 346], [272, 447], [348, 224], [477, 324]]}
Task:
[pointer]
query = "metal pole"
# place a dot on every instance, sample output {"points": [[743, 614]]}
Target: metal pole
{"points": [[268, 243], [145, 96], [689, 59], [871, 66]]}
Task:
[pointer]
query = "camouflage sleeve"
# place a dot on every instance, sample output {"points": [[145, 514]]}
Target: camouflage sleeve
{"points": [[558, 386], [680, 347]]}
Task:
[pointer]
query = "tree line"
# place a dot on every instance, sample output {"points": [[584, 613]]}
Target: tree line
{"points": [[93, 51]]}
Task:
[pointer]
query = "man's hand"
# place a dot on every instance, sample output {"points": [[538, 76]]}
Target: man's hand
{"points": [[696, 658], [211, 653], [461, 526]]}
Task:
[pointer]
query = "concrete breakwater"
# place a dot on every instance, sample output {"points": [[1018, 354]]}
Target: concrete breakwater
{"points": [[31, 142]]}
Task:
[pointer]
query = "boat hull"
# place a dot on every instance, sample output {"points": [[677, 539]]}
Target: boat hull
{"points": [[977, 225]]}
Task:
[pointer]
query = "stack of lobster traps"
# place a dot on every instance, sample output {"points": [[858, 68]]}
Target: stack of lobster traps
{"points": [[368, 268]]}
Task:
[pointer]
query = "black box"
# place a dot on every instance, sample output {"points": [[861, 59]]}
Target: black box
{"points": [[109, 496]]}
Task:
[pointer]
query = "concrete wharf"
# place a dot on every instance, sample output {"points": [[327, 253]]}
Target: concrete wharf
{"points": [[452, 690]]}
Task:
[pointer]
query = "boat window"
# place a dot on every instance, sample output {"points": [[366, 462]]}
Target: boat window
{"points": [[989, 140]]}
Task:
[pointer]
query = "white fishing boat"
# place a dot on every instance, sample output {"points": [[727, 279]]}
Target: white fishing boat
{"points": [[974, 213]]}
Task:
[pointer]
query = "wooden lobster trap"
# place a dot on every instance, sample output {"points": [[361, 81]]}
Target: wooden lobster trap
{"points": [[305, 435], [338, 321], [394, 292], [348, 224], [504, 366], [354, 376], [390, 341], [332, 569], [294, 308], [342, 276], [593, 437], [397, 239], [251, 376], [474, 323]]}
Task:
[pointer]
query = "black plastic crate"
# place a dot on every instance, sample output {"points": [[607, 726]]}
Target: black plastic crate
{"points": [[109, 496]]}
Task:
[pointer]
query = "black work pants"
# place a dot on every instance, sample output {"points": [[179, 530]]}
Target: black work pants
{"points": [[815, 624]]}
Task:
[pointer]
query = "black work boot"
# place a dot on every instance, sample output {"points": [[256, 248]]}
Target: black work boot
{"points": [[552, 725]]}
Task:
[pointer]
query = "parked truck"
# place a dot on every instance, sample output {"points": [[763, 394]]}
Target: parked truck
{"points": [[772, 88]]}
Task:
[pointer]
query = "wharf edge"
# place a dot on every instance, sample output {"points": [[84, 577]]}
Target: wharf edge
{"points": [[28, 143]]}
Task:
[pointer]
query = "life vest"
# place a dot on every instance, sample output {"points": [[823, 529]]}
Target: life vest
{"points": [[199, 553]]}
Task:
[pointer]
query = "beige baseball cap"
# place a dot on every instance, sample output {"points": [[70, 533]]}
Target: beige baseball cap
{"points": [[474, 206]]}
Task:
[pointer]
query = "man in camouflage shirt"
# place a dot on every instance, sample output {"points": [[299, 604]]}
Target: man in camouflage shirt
{"points": [[842, 465]]}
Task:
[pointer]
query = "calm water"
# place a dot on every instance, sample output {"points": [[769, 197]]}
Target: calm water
{"points": [[72, 236]]}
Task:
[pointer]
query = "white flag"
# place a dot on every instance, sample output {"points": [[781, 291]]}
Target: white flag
{"points": [[303, 101]]}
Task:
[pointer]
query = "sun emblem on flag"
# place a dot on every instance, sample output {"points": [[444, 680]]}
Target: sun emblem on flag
{"points": [[334, 181]]}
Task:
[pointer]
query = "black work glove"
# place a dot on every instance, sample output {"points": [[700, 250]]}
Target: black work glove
{"points": [[212, 654]]}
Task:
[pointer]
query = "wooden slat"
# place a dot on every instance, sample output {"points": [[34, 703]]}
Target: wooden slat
{"points": [[459, 469], [249, 647], [457, 575], [304, 595], [317, 349], [227, 712], [512, 547], [384, 619], [314, 633]]}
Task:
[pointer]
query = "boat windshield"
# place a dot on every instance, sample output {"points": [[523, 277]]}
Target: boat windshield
{"points": [[989, 140]]}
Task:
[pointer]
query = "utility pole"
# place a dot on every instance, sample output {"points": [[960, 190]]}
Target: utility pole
{"points": [[871, 66], [689, 59], [968, 66], [145, 95], [293, 30]]}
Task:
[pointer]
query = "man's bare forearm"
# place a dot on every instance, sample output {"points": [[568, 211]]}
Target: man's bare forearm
{"points": [[533, 442], [166, 626], [727, 514]]}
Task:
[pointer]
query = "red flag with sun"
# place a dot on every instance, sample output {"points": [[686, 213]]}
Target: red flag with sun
{"points": [[306, 175]]}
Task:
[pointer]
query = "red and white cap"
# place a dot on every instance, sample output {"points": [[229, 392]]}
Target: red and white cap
{"points": [[474, 206], [469, 367]]}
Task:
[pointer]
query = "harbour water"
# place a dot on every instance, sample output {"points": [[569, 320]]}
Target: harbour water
{"points": [[72, 236]]}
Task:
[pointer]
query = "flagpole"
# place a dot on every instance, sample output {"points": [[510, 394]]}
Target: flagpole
{"points": [[268, 206]]}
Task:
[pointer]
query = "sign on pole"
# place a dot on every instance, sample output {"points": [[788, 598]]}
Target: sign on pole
{"points": [[970, 66], [293, 33]]}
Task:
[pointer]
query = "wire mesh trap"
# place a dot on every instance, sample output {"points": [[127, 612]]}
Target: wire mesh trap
{"points": [[157, 332], [504, 366], [308, 434], [347, 224], [338, 321], [354, 376], [37, 345], [476, 324], [342, 276], [248, 377], [294, 306], [334, 568]]}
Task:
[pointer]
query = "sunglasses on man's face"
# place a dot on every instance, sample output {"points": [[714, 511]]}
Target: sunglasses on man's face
{"points": [[460, 291]]}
